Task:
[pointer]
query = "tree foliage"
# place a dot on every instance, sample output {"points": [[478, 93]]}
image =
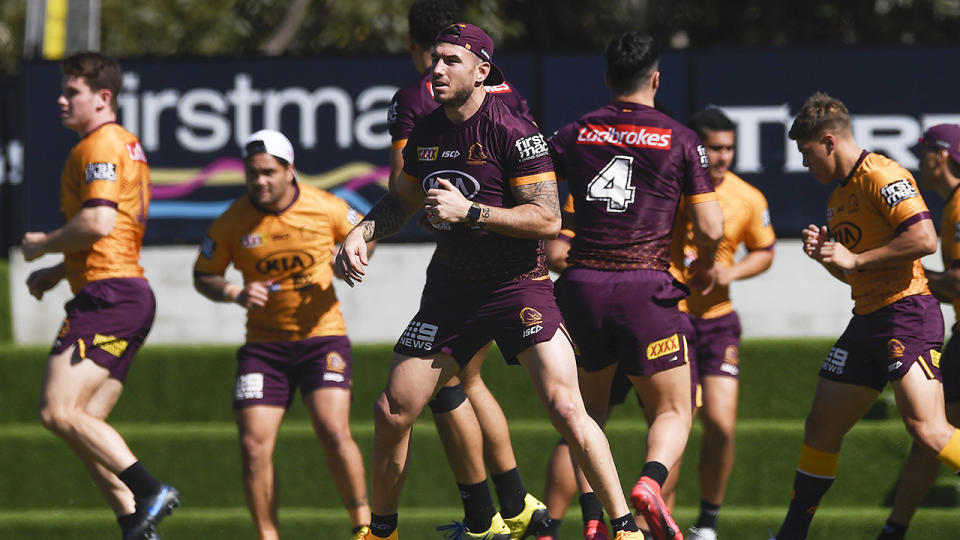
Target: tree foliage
{"points": [[243, 27]]}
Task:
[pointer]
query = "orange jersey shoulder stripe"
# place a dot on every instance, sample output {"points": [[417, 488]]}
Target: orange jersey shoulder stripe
{"points": [[548, 176]]}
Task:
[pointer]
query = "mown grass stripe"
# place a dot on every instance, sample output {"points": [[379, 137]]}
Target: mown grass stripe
{"points": [[58, 517], [425, 427]]}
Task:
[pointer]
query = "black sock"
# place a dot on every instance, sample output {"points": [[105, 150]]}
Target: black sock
{"points": [[708, 515], [478, 507], [127, 521], [140, 481], [807, 492], [357, 529], [383, 526], [656, 471], [553, 528], [893, 531], [623, 523], [590, 507], [510, 492]]}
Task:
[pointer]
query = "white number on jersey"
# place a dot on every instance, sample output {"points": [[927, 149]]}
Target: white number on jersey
{"points": [[612, 184]]}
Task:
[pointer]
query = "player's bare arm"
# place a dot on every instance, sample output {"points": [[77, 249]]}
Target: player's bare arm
{"points": [[396, 166], [917, 240], [945, 285], [86, 227], [42, 280], [753, 263], [536, 215], [386, 217], [220, 289], [707, 220]]}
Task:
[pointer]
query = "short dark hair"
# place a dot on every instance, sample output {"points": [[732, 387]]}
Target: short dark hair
{"points": [[710, 119], [631, 60], [427, 18], [820, 113], [97, 70]]}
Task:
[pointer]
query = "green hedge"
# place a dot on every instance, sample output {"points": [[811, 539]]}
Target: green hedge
{"points": [[6, 330], [195, 383], [176, 416]]}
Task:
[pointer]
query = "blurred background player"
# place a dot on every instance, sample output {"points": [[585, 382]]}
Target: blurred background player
{"points": [[878, 228], [466, 400], [627, 165], [281, 237], [939, 171], [104, 197], [716, 338], [486, 280]]}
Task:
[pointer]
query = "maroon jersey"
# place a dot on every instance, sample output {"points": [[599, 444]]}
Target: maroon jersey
{"points": [[627, 165], [495, 150], [413, 102]]}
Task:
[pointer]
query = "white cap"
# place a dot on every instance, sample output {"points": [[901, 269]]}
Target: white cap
{"points": [[268, 141]]}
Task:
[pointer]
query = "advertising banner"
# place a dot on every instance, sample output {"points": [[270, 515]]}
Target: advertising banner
{"points": [[192, 115]]}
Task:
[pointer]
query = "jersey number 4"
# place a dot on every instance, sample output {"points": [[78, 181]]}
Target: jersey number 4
{"points": [[612, 184]]}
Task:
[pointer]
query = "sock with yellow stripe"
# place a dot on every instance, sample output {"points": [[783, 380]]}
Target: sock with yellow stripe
{"points": [[815, 473], [950, 454]]}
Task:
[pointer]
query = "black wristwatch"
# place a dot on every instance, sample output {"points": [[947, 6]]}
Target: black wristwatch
{"points": [[473, 214]]}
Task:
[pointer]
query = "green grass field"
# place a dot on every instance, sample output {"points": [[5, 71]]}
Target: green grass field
{"points": [[175, 414]]}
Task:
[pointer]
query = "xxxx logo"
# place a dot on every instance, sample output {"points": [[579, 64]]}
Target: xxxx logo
{"points": [[663, 347]]}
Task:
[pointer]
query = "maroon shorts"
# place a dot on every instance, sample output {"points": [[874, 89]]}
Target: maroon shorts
{"points": [[883, 345], [629, 317], [621, 385], [108, 320], [950, 368], [269, 372], [459, 322], [717, 345]]}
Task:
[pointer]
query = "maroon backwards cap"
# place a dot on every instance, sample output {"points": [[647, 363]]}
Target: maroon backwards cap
{"points": [[476, 41], [945, 136]]}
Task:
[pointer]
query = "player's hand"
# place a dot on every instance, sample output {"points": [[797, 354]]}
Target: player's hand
{"points": [[32, 245], [724, 274], [703, 278], [445, 204], [254, 294], [351, 258], [813, 239], [42, 280], [836, 254]]}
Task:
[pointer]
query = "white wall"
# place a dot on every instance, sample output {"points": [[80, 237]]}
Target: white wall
{"points": [[796, 297]]}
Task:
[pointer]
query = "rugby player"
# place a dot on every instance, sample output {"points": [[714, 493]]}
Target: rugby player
{"points": [[878, 228], [716, 338], [561, 483], [469, 402], [483, 174], [281, 237], [939, 171], [104, 197], [627, 165]]}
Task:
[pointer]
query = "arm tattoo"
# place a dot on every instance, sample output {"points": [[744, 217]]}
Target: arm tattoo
{"points": [[384, 219], [542, 194]]}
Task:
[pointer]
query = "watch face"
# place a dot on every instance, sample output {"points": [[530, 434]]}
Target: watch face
{"points": [[473, 215]]}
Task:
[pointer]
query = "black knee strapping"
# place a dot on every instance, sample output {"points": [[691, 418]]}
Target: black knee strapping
{"points": [[448, 399]]}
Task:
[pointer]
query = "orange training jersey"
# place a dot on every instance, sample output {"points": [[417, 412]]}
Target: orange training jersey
{"points": [[290, 249], [867, 210], [107, 168], [746, 219], [950, 239]]}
